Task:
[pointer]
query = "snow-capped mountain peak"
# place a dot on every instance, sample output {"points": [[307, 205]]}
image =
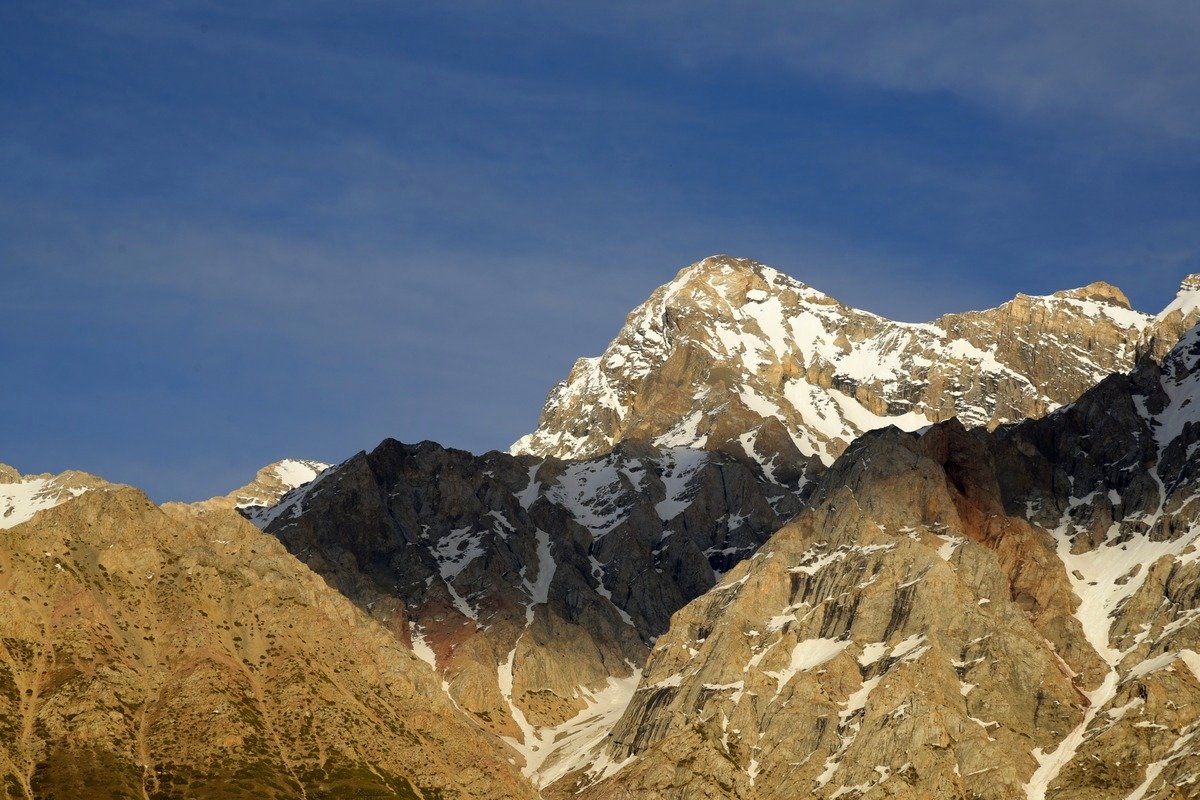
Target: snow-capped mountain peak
{"points": [[737, 356], [1187, 301], [275, 480]]}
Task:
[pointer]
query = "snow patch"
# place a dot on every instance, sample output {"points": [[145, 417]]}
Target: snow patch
{"points": [[20, 501], [681, 465], [579, 742], [420, 646], [539, 590], [294, 473], [808, 655]]}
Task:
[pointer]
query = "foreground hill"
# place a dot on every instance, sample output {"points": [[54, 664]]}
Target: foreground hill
{"points": [[181, 654]]}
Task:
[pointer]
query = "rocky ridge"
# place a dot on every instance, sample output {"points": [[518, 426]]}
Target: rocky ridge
{"points": [[268, 486], [533, 587], [22, 496], [959, 614], [732, 355], [182, 653]]}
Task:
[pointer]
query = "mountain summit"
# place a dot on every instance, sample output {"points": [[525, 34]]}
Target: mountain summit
{"points": [[733, 355], [268, 487]]}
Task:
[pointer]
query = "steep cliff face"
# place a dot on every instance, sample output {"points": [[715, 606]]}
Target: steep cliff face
{"points": [[959, 614], [531, 586], [732, 355], [180, 654]]}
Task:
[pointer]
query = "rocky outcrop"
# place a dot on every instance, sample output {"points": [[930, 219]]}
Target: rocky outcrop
{"points": [[23, 496], [959, 614], [735, 356], [532, 586], [1174, 320], [870, 644], [268, 487], [180, 654]]}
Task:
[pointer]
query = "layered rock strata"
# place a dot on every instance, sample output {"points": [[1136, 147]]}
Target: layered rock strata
{"points": [[960, 614]]}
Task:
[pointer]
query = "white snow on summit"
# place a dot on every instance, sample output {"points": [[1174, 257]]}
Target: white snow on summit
{"points": [[27, 495], [1187, 300], [291, 473], [294, 472], [737, 337]]}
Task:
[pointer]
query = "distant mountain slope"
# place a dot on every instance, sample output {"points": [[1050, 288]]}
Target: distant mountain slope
{"points": [[184, 654], [959, 614], [269, 486], [532, 586], [22, 496], [731, 344]]}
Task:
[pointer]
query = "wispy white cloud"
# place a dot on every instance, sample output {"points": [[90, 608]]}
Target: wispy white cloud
{"points": [[1112, 61]]}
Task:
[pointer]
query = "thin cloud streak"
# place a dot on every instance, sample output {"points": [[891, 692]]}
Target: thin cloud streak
{"points": [[1135, 64]]}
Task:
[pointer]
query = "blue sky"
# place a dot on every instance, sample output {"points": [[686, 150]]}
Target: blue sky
{"points": [[229, 235]]}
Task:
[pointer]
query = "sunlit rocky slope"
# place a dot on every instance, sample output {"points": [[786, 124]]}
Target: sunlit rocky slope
{"points": [[732, 355], [959, 614], [178, 653]]}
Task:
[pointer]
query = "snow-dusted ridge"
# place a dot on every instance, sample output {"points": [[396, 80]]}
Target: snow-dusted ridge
{"points": [[290, 473], [730, 343], [21, 497], [1187, 301], [272, 483], [287, 483]]}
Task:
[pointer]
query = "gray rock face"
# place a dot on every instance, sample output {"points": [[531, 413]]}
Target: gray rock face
{"points": [[958, 614], [532, 586], [734, 356]]}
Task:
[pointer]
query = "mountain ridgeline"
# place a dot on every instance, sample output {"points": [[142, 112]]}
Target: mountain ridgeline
{"points": [[766, 545], [534, 584], [732, 355]]}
